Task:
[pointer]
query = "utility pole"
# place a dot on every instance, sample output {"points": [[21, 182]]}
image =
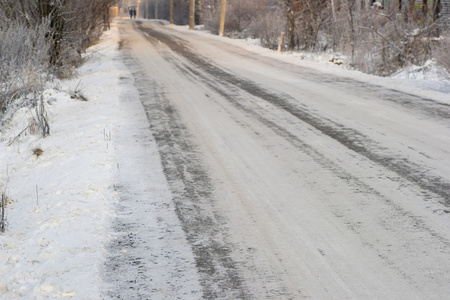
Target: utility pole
{"points": [[222, 17], [192, 15], [156, 9], [171, 12]]}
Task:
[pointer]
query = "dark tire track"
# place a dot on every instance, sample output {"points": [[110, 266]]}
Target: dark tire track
{"points": [[192, 194]]}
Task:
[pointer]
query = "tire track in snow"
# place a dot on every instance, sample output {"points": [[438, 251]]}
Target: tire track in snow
{"points": [[193, 197], [348, 137], [192, 193], [148, 256], [397, 220]]}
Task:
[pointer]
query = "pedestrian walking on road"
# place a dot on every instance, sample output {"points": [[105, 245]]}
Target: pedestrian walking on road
{"points": [[131, 13]]}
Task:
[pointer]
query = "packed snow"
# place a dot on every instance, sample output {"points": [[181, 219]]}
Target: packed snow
{"points": [[62, 201]]}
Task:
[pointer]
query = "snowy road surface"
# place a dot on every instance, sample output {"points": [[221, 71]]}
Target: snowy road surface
{"points": [[283, 182]]}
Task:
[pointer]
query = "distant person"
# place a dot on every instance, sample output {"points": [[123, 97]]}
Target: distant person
{"points": [[131, 13], [135, 13]]}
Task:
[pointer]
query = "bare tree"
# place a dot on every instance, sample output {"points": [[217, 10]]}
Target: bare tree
{"points": [[312, 16], [268, 27], [39, 38]]}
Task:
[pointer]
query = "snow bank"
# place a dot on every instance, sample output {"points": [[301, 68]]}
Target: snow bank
{"points": [[424, 81], [57, 222]]}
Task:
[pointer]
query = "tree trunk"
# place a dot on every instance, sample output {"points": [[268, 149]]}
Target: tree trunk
{"points": [[291, 24], [412, 10], [425, 11], [199, 12], [352, 29], [171, 12]]}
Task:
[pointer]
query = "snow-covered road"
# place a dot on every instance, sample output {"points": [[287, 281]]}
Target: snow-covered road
{"points": [[288, 182], [208, 168]]}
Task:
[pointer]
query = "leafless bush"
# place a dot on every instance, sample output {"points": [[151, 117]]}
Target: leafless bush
{"points": [[71, 26], [24, 61], [268, 28], [442, 55], [40, 116], [211, 16], [41, 38], [381, 41], [241, 16], [311, 16]]}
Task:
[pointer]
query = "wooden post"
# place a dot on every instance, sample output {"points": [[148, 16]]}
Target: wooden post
{"points": [[192, 15], [171, 12], [222, 17], [156, 9], [281, 42]]}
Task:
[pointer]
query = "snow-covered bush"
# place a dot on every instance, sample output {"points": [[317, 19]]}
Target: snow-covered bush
{"points": [[211, 17], [268, 28], [24, 60], [42, 38], [241, 16], [384, 44], [442, 55], [377, 39]]}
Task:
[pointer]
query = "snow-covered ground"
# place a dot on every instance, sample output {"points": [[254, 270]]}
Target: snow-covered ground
{"points": [[58, 219], [62, 202]]}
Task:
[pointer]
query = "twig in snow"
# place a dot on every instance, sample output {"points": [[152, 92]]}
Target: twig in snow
{"points": [[10, 143], [77, 94]]}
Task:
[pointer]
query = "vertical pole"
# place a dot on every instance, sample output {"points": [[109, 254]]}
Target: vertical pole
{"points": [[281, 42], [171, 12], [222, 17], [192, 15], [156, 9]]}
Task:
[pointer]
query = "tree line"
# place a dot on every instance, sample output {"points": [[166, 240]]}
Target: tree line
{"points": [[377, 36]]}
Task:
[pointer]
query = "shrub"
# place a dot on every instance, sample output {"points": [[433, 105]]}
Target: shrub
{"points": [[442, 56], [268, 28], [41, 38], [24, 61]]}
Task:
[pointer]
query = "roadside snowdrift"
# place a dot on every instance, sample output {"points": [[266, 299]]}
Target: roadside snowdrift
{"points": [[61, 200]]}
